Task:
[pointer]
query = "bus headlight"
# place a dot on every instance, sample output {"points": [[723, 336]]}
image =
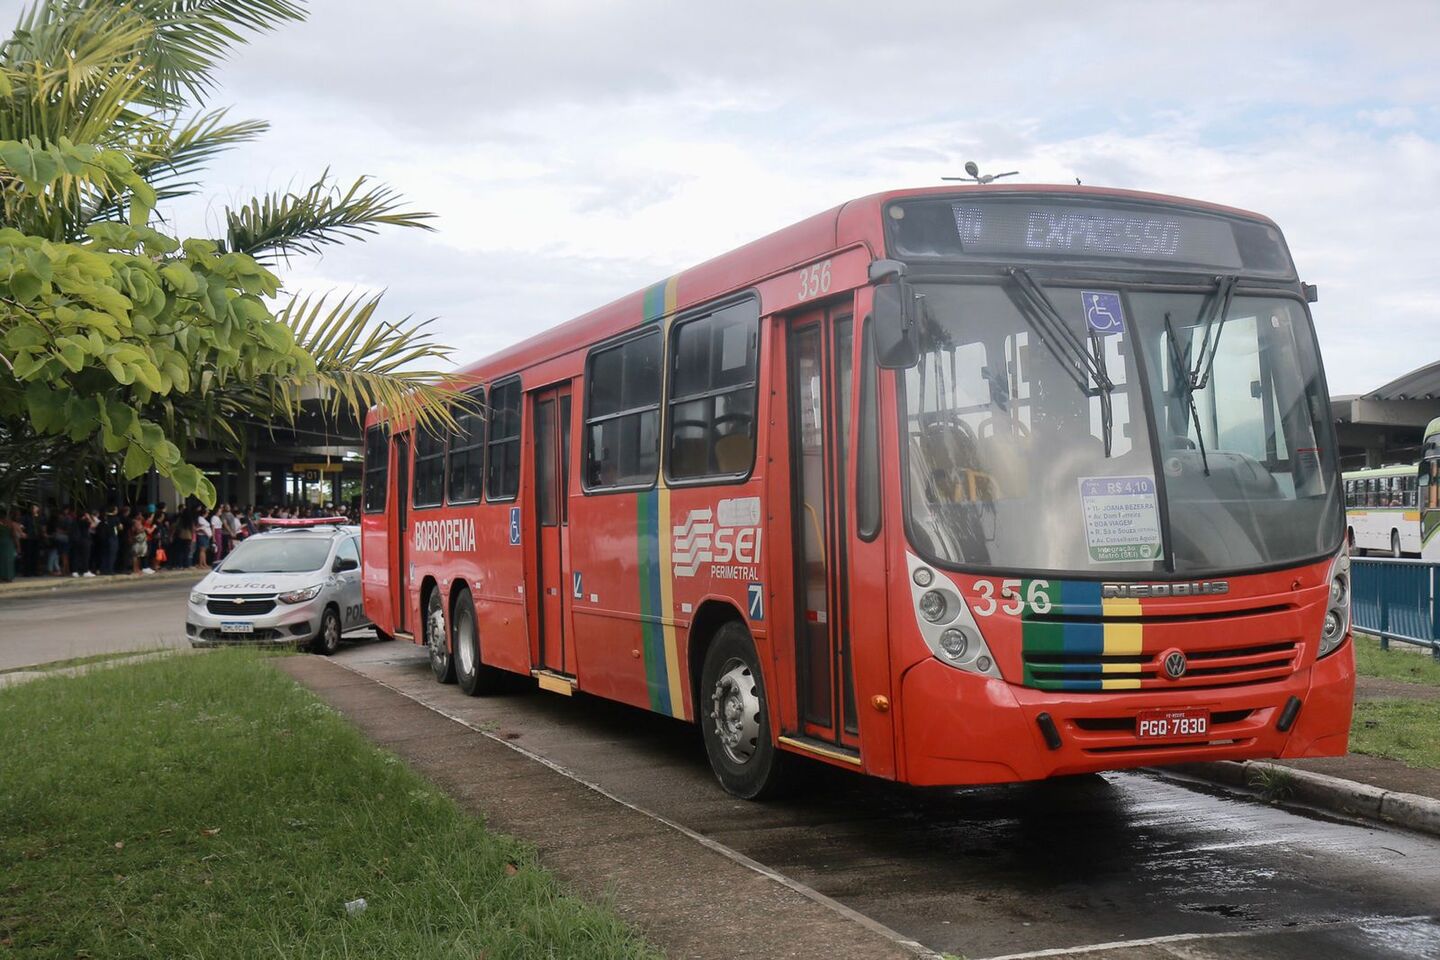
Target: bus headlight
{"points": [[933, 606], [954, 643], [945, 623], [1337, 612]]}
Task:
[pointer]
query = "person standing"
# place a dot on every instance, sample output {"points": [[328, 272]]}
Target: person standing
{"points": [[108, 534], [138, 545], [32, 531], [10, 534], [80, 544], [202, 537], [217, 535]]}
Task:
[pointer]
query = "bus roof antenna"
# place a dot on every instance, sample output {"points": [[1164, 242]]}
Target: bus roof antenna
{"points": [[973, 169]]}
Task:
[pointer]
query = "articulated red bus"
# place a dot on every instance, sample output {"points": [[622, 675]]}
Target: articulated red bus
{"points": [[946, 486]]}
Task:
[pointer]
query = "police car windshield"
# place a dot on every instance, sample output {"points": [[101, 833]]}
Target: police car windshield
{"points": [[278, 555]]}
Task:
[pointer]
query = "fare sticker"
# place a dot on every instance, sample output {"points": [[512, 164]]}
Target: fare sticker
{"points": [[1122, 518]]}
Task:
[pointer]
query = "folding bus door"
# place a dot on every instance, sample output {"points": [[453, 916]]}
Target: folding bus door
{"points": [[552, 472], [820, 377]]}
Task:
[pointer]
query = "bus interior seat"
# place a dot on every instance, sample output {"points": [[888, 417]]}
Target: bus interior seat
{"points": [[734, 453]]}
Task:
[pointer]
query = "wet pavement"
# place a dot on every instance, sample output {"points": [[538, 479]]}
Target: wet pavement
{"points": [[1121, 866]]}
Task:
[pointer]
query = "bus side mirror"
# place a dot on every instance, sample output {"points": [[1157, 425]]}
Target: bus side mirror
{"points": [[895, 310]]}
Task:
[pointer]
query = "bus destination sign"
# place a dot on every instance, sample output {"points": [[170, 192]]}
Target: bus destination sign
{"points": [[1077, 230], [1094, 232]]}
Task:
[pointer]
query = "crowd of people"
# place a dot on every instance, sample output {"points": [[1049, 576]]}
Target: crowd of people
{"points": [[119, 539]]}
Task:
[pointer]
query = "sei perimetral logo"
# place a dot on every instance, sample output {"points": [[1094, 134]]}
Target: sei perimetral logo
{"points": [[727, 538]]}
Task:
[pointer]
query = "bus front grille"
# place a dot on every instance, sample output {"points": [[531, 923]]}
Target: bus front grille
{"points": [[1204, 667]]}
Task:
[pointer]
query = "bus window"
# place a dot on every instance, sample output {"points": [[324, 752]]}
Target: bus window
{"points": [[503, 473], [712, 394], [622, 425], [867, 479], [467, 456], [429, 468], [377, 469]]}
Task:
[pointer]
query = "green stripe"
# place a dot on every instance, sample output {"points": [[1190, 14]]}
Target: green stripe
{"points": [[651, 640]]}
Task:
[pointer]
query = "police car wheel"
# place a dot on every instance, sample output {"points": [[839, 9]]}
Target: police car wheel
{"points": [[327, 641], [442, 665]]}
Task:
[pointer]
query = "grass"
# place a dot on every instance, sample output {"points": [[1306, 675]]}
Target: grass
{"points": [[206, 806], [1410, 666], [1407, 730]]}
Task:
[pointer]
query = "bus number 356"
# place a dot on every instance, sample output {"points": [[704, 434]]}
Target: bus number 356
{"points": [[1037, 597]]}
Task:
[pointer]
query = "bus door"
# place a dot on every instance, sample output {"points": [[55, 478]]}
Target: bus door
{"points": [[400, 534], [821, 367], [552, 473]]}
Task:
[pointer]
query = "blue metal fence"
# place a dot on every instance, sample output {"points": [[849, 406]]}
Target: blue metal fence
{"points": [[1397, 600]]}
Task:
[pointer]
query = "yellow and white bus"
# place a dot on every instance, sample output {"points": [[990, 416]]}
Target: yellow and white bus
{"points": [[1382, 509]]}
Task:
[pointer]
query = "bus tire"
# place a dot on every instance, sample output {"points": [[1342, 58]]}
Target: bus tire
{"points": [[472, 676], [326, 641], [1395, 544], [735, 717], [442, 665]]}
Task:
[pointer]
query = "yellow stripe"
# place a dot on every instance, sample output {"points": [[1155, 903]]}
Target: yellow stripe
{"points": [[1119, 684], [1120, 637], [667, 566]]}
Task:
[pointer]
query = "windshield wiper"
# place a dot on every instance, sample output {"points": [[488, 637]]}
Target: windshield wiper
{"points": [[1083, 366], [1186, 382], [1214, 311]]}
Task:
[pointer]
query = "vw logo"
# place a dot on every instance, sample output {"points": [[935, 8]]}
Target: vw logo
{"points": [[1174, 662]]}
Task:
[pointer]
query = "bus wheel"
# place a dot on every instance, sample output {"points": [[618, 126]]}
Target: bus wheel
{"points": [[441, 663], [1395, 543], [327, 641], [473, 676], [734, 716]]}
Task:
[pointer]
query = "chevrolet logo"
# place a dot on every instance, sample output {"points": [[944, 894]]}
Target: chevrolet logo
{"points": [[238, 601]]}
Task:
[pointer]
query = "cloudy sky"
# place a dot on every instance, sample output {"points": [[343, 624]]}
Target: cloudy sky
{"points": [[576, 150]]}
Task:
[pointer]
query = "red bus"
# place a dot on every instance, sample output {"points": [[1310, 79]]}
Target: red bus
{"points": [[945, 486]]}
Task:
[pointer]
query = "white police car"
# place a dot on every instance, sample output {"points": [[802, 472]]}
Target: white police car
{"points": [[295, 584]]}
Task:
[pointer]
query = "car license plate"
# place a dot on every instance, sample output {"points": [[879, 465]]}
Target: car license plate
{"points": [[236, 626], [1172, 724]]}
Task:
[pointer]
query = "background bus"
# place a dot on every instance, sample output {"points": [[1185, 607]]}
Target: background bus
{"points": [[1429, 493], [947, 486], [1382, 509]]}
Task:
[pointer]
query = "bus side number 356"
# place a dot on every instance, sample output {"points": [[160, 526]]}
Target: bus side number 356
{"points": [[814, 280], [1037, 597]]}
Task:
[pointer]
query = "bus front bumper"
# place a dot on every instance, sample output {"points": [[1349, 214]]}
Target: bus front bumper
{"points": [[960, 728]]}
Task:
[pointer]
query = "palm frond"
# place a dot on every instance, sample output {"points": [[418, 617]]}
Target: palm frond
{"points": [[281, 224], [361, 362]]}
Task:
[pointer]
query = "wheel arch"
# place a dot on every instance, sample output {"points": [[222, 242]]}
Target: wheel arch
{"points": [[710, 616]]}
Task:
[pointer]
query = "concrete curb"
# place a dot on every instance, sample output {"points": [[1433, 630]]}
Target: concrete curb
{"points": [[1333, 794], [50, 586]]}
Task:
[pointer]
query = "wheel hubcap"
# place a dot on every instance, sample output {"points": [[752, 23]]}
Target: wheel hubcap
{"points": [[435, 628], [735, 709], [332, 633], [464, 642]]}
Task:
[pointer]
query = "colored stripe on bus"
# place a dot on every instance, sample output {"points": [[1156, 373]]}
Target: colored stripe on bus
{"points": [[1105, 637], [652, 638], [657, 577]]}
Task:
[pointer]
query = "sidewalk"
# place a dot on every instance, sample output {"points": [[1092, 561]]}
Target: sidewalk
{"points": [[47, 586], [692, 897]]}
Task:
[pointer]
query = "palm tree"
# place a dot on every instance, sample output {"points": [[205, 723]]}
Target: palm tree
{"points": [[135, 77]]}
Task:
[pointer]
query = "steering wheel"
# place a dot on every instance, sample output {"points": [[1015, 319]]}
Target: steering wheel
{"points": [[1018, 426]]}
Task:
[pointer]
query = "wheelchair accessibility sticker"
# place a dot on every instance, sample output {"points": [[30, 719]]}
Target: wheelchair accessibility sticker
{"points": [[1103, 313]]}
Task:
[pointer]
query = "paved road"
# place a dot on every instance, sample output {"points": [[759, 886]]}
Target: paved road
{"points": [[41, 629], [1159, 870], [1155, 868]]}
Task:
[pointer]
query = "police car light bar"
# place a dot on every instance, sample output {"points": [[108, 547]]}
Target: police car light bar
{"points": [[301, 521]]}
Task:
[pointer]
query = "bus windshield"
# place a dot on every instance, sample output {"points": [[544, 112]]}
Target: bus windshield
{"points": [[1029, 431]]}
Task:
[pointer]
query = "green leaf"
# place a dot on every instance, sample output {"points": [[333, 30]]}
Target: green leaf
{"points": [[180, 277], [137, 461], [25, 286]]}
